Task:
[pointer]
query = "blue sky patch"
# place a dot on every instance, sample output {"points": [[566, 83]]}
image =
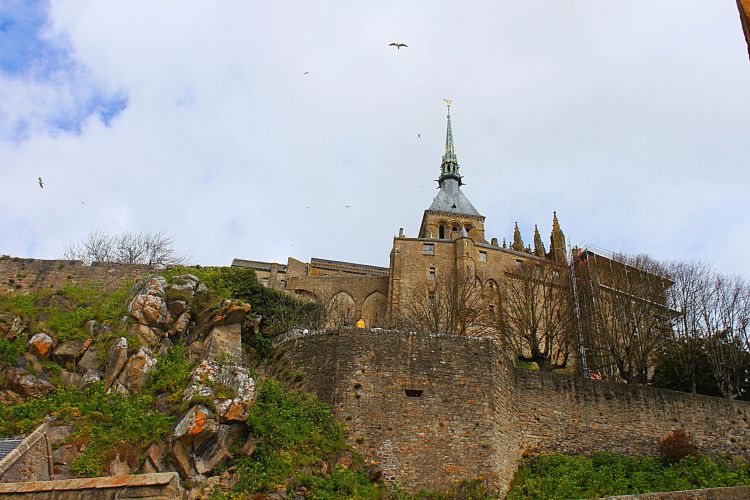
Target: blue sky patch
{"points": [[27, 53]]}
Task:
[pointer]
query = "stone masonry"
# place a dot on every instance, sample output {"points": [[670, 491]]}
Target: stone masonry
{"points": [[432, 410]]}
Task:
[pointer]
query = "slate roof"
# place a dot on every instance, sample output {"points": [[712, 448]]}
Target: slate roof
{"points": [[451, 199], [8, 445]]}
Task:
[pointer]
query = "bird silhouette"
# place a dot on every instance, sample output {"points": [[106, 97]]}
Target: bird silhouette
{"points": [[306, 73], [41, 183], [419, 136], [348, 206], [398, 45]]}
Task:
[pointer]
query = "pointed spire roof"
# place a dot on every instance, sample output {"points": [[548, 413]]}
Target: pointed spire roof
{"points": [[517, 244], [450, 199], [449, 165], [538, 244]]}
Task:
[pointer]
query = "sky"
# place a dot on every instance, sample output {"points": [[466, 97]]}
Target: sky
{"points": [[245, 129]]}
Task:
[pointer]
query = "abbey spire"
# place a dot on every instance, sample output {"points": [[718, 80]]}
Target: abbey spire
{"points": [[449, 165]]}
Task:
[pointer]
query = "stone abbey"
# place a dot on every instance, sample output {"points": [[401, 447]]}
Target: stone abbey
{"points": [[451, 245]]}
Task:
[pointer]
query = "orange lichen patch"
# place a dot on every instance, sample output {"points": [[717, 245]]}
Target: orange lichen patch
{"points": [[450, 469], [42, 348], [85, 346], [235, 411], [199, 423]]}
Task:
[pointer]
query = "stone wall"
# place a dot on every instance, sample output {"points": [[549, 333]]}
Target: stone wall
{"points": [[30, 275], [430, 410], [566, 414], [30, 460], [160, 485]]}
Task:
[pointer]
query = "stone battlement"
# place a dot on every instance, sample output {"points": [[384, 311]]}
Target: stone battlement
{"points": [[432, 410]]}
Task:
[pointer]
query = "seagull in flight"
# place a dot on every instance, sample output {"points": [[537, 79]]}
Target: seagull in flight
{"points": [[306, 73], [348, 206], [419, 136], [398, 45], [41, 183]]}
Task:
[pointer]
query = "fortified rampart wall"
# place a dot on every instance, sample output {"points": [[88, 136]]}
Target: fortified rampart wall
{"points": [[431, 410], [567, 414], [476, 414], [30, 275]]}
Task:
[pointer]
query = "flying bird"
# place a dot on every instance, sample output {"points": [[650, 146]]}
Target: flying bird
{"points": [[419, 136], [348, 206], [397, 45], [306, 73], [41, 183]]}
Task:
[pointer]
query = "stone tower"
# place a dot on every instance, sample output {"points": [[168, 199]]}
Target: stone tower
{"points": [[451, 211]]}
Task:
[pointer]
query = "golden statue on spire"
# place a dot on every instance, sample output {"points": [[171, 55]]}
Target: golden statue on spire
{"points": [[448, 102]]}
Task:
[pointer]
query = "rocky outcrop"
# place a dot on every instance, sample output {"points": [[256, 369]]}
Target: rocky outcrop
{"points": [[116, 359], [230, 386], [148, 306]]}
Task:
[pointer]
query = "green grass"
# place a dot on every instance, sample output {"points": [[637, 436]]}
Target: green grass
{"points": [[172, 374], [103, 422], [607, 474]]}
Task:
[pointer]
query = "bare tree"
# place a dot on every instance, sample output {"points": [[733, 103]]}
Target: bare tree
{"points": [[446, 305], [724, 311], [629, 320], [152, 249], [537, 317], [690, 279]]}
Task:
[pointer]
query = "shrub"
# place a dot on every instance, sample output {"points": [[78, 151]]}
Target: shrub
{"points": [[102, 421], [677, 445], [608, 474], [295, 435], [172, 374]]}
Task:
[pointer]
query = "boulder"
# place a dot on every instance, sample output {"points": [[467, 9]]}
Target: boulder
{"points": [[116, 359], [181, 457], [91, 377], [26, 384], [184, 291], [68, 353], [177, 307], [40, 345], [155, 456], [180, 326], [89, 360], [146, 334], [230, 386], [231, 312], [62, 457], [224, 339], [213, 450], [71, 379], [148, 306], [133, 375], [195, 425], [164, 346]]}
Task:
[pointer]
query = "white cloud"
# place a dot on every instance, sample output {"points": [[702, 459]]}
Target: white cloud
{"points": [[630, 120]]}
